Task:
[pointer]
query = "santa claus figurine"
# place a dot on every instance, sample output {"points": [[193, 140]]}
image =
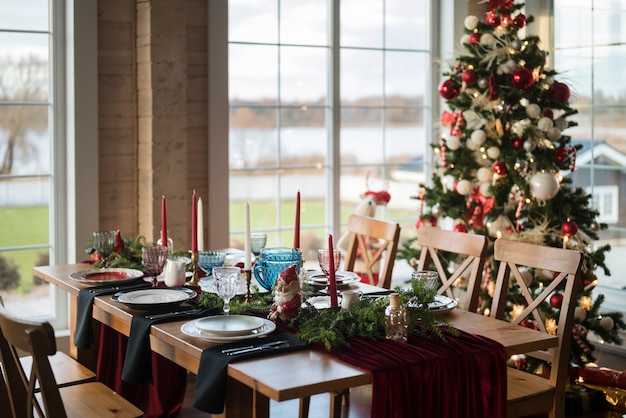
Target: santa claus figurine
{"points": [[287, 299]]}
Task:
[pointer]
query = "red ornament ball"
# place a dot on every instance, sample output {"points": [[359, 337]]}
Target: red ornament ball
{"points": [[569, 228], [469, 77], [529, 324], [548, 113], [460, 228], [523, 78], [560, 155], [518, 143], [520, 20], [449, 89], [474, 38], [500, 168], [556, 300], [559, 92], [493, 20], [429, 221]]}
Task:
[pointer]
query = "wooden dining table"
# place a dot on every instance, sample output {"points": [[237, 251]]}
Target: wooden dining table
{"points": [[252, 383]]}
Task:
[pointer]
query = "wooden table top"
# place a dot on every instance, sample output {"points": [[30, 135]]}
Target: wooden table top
{"points": [[323, 372]]}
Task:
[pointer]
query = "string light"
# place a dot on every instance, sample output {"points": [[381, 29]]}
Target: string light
{"points": [[585, 302], [517, 309], [551, 326]]}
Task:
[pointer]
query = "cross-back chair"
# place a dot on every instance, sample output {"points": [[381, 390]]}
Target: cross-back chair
{"points": [[36, 393], [375, 243], [528, 393], [433, 241]]}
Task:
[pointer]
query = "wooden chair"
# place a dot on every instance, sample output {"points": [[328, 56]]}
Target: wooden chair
{"points": [[91, 399], [372, 241], [527, 393], [434, 241]]}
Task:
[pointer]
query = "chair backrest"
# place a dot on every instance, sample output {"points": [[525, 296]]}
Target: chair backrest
{"points": [[37, 339], [471, 248], [372, 240], [565, 265]]}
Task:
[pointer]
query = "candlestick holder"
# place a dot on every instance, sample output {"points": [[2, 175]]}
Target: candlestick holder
{"points": [[195, 278], [248, 276]]}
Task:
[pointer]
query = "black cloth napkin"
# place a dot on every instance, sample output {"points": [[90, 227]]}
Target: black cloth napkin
{"points": [[138, 360], [210, 387], [83, 337]]}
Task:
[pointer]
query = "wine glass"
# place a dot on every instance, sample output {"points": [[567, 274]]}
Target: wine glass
{"points": [[226, 283], [104, 242], [429, 278], [257, 242], [323, 259], [153, 259]]}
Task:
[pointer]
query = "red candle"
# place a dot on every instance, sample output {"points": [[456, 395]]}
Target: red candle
{"points": [[194, 222], [332, 281], [163, 223], [296, 231]]}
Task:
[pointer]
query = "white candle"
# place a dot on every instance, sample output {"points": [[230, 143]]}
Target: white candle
{"points": [[200, 226], [246, 240]]}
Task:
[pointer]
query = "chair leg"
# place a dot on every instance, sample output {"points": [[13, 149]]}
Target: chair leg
{"points": [[304, 407]]}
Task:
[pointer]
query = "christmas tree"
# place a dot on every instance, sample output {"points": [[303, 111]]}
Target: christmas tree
{"points": [[501, 166]]}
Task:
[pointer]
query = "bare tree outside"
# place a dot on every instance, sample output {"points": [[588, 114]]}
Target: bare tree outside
{"points": [[24, 98]]}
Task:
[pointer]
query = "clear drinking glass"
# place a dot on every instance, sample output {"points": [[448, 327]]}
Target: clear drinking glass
{"points": [[257, 242], [429, 277], [323, 259], [226, 283], [153, 260], [104, 242]]}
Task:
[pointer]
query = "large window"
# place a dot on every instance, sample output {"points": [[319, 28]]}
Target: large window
{"points": [[330, 98], [589, 47], [26, 149]]}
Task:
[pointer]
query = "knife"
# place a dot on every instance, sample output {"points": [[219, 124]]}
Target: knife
{"points": [[173, 314], [266, 346]]}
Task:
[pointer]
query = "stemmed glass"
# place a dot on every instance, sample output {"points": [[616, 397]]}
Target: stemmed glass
{"points": [[257, 242], [226, 284], [153, 260], [104, 242], [323, 259]]}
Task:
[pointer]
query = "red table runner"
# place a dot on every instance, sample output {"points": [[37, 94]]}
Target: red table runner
{"points": [[464, 376]]}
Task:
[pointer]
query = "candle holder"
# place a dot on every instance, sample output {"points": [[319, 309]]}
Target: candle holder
{"points": [[195, 278], [248, 275]]}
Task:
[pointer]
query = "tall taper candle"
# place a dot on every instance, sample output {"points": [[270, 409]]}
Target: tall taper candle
{"points": [[246, 239], [194, 222], [296, 231], [200, 226], [163, 223], [332, 280]]}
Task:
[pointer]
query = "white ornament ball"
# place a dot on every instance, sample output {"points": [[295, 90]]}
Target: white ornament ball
{"points": [[485, 189], [484, 174], [527, 276], [471, 145], [479, 136], [448, 182], [471, 22], [487, 39], [493, 152], [544, 124], [529, 145], [607, 323], [561, 123], [544, 185], [533, 110], [554, 134], [437, 210], [524, 101], [464, 39], [464, 187], [453, 143], [580, 314]]}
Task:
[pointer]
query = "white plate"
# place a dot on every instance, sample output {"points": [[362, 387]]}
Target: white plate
{"points": [[319, 302], [442, 304], [106, 275], [317, 278], [149, 298], [161, 277], [230, 325], [189, 328]]}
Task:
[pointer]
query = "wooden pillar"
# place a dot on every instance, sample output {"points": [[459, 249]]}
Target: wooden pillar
{"points": [[162, 119]]}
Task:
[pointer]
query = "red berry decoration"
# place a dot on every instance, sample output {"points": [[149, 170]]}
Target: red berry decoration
{"points": [[460, 228], [523, 78], [559, 92], [470, 77], [569, 228], [500, 168], [560, 155], [518, 143], [449, 89], [474, 38], [520, 20], [556, 300]]}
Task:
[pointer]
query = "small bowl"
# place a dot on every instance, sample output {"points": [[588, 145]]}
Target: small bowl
{"points": [[209, 259]]}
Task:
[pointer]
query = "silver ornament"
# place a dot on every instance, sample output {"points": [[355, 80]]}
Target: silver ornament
{"points": [[529, 145], [483, 83], [516, 44]]}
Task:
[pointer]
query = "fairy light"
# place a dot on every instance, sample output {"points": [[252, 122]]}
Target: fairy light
{"points": [[585, 302], [551, 326], [517, 310], [565, 240], [486, 312]]}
